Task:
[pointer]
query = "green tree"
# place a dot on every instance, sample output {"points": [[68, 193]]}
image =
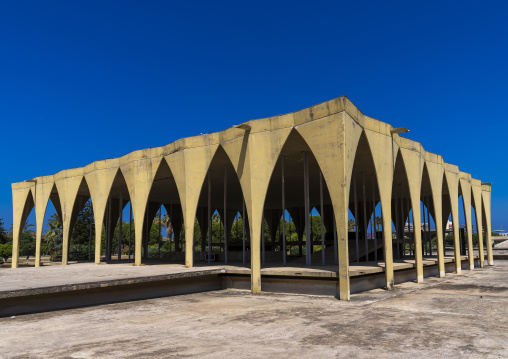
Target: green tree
{"points": [[27, 241], [52, 234], [237, 231], [53, 237], [351, 224], [4, 238], [81, 229], [166, 224], [378, 222], [5, 251]]}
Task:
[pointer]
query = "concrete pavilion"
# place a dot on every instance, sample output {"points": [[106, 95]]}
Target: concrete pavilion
{"points": [[330, 157]]}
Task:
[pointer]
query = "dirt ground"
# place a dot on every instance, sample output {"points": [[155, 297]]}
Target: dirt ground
{"points": [[462, 316]]}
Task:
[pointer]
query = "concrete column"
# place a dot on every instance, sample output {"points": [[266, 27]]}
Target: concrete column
{"points": [[139, 219], [284, 252], [403, 222], [384, 167], [429, 239], [99, 183], [410, 224], [452, 178], [120, 222], [189, 168], [263, 239], [374, 216], [159, 234], [343, 134], [365, 221], [357, 233], [308, 239], [438, 220], [480, 238], [22, 204], [414, 164], [67, 190], [465, 185], [417, 232], [209, 212], [130, 230], [43, 191], [322, 220], [435, 168], [335, 244], [486, 195], [396, 221], [108, 231], [424, 239], [224, 220], [477, 200], [139, 175], [243, 232], [341, 216], [90, 239], [255, 244]]}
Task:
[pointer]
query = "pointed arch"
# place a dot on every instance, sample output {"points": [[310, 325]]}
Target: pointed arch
{"points": [[365, 188], [477, 205], [401, 208], [83, 196], [254, 157], [434, 164], [114, 202], [68, 189], [486, 197], [189, 167], [23, 203], [47, 192], [44, 191], [164, 193], [465, 191], [138, 175], [446, 213], [340, 133], [428, 208], [291, 163], [221, 191], [100, 182], [452, 181]]}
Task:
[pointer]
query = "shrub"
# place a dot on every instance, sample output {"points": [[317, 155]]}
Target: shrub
{"points": [[5, 251], [153, 252], [78, 252]]}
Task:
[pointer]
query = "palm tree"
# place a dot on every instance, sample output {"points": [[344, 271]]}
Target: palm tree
{"points": [[378, 222], [165, 222], [54, 229]]}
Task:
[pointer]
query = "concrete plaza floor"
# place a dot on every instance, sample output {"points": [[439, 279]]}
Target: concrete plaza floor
{"points": [[462, 316], [50, 278]]}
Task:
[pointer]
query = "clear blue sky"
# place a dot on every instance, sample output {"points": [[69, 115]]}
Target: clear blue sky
{"points": [[84, 81]]}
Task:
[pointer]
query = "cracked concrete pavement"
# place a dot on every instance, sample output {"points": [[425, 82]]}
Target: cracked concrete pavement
{"points": [[462, 316]]}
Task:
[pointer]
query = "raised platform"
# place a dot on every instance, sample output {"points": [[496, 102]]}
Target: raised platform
{"points": [[28, 290]]}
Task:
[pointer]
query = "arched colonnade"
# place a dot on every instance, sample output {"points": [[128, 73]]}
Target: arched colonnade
{"points": [[330, 157]]}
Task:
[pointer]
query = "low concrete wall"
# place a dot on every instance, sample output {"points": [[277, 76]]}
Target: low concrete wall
{"points": [[328, 286], [65, 297], [111, 294]]}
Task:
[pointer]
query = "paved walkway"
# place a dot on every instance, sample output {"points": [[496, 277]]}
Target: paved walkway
{"points": [[460, 316], [79, 273]]}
